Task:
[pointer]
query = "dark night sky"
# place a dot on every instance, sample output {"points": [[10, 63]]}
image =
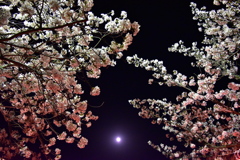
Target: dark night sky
{"points": [[163, 22]]}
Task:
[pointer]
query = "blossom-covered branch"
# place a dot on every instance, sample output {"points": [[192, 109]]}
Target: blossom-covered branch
{"points": [[204, 118], [44, 46]]}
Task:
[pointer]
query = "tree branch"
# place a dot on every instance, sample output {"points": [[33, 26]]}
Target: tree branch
{"points": [[16, 63], [40, 29], [226, 107]]}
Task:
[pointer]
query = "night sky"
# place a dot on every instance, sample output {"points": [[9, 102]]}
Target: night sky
{"points": [[163, 23]]}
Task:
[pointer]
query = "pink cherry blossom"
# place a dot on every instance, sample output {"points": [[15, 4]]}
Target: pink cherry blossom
{"points": [[95, 91], [62, 136], [82, 143]]}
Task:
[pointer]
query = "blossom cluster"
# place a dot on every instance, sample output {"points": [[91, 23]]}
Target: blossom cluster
{"points": [[204, 118], [44, 47]]}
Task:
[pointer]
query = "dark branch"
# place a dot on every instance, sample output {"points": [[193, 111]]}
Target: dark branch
{"points": [[40, 29]]}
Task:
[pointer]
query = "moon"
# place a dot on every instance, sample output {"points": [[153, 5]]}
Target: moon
{"points": [[118, 139]]}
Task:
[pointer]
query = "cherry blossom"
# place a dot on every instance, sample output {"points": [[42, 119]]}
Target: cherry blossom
{"points": [[4, 15], [95, 91], [204, 118], [48, 52]]}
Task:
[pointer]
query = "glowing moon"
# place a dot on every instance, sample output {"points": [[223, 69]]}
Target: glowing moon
{"points": [[118, 139]]}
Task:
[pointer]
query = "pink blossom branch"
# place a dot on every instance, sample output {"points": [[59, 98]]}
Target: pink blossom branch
{"points": [[15, 45], [8, 106], [16, 63], [225, 146], [226, 107]]}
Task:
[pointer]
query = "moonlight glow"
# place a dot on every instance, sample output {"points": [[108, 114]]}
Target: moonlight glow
{"points": [[118, 139]]}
